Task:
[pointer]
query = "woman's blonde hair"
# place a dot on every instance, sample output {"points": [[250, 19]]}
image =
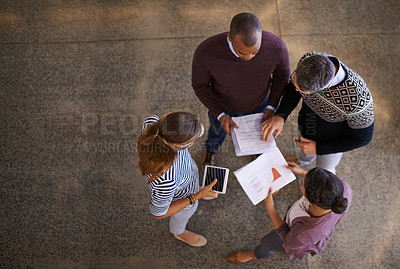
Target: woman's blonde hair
{"points": [[159, 143]]}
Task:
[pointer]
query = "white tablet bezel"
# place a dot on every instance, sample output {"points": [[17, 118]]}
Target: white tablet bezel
{"points": [[225, 179]]}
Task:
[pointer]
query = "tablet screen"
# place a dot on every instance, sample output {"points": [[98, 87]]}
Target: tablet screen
{"points": [[215, 173]]}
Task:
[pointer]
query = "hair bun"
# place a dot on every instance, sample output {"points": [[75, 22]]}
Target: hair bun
{"points": [[340, 206]]}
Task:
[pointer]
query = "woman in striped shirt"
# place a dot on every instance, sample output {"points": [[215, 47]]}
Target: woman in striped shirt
{"points": [[172, 174]]}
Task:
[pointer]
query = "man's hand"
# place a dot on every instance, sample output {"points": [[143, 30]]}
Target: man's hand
{"points": [[309, 147], [227, 121], [274, 124], [267, 115]]}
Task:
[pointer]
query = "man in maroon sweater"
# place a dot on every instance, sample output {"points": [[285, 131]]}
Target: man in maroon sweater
{"points": [[238, 73]]}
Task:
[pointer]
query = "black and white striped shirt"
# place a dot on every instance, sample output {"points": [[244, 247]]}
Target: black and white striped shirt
{"points": [[178, 182]]}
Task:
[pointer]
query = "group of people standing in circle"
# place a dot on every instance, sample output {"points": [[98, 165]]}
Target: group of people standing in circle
{"points": [[246, 71]]}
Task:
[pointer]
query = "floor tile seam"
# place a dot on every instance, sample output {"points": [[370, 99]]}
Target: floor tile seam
{"points": [[179, 38], [103, 40], [279, 18], [349, 34]]}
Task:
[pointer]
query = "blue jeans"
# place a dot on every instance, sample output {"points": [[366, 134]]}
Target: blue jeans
{"points": [[217, 134]]}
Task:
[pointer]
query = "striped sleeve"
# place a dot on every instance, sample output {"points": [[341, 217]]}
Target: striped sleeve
{"points": [[149, 121], [162, 193]]}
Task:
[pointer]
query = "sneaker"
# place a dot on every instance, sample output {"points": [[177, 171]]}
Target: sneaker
{"points": [[207, 159]]}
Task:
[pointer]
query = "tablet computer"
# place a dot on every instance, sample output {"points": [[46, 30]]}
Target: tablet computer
{"points": [[215, 172]]}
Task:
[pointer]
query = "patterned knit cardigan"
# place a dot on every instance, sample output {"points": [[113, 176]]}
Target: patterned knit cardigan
{"points": [[349, 100]]}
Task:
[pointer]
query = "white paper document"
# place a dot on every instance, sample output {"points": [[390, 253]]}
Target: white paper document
{"points": [[247, 138], [268, 170]]}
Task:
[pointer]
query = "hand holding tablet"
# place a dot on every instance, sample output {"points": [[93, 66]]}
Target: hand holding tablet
{"points": [[214, 172]]}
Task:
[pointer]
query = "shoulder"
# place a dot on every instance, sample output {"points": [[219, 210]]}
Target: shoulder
{"points": [[356, 81], [179, 164], [166, 181], [270, 37], [215, 40], [272, 41], [347, 192]]}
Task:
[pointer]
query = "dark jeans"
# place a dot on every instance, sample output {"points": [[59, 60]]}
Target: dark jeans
{"points": [[270, 244], [217, 134]]}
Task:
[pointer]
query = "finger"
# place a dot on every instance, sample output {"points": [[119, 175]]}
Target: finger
{"points": [[233, 124], [227, 129], [264, 125], [275, 192], [293, 164], [213, 183], [305, 139], [278, 131], [269, 133], [263, 132], [269, 192]]}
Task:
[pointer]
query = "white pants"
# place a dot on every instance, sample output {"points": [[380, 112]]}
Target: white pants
{"points": [[177, 222], [328, 161]]}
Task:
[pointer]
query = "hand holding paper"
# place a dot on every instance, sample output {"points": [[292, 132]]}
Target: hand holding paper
{"points": [[275, 124], [295, 168], [247, 139], [226, 122], [267, 171]]}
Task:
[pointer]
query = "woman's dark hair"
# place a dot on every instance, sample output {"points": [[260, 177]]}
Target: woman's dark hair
{"points": [[325, 190]]}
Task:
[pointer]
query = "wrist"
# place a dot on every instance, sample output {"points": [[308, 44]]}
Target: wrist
{"points": [[197, 196], [191, 198], [280, 116], [221, 115], [269, 107], [271, 208]]}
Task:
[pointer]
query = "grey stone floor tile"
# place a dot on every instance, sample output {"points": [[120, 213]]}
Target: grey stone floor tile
{"points": [[86, 21], [339, 17]]}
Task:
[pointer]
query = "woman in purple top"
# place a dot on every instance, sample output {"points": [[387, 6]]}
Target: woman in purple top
{"points": [[309, 222]]}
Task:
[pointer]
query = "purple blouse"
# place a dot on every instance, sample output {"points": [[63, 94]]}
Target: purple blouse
{"points": [[308, 235]]}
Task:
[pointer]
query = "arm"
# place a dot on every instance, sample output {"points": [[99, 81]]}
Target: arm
{"points": [[280, 77], [177, 205], [269, 203], [275, 124], [201, 83], [355, 138], [289, 101]]}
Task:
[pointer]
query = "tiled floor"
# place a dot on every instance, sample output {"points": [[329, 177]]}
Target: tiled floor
{"points": [[78, 77]]}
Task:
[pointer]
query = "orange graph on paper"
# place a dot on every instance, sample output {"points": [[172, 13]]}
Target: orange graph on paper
{"points": [[276, 174]]}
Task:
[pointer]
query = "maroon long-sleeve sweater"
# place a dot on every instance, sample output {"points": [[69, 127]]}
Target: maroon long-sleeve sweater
{"points": [[222, 81]]}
